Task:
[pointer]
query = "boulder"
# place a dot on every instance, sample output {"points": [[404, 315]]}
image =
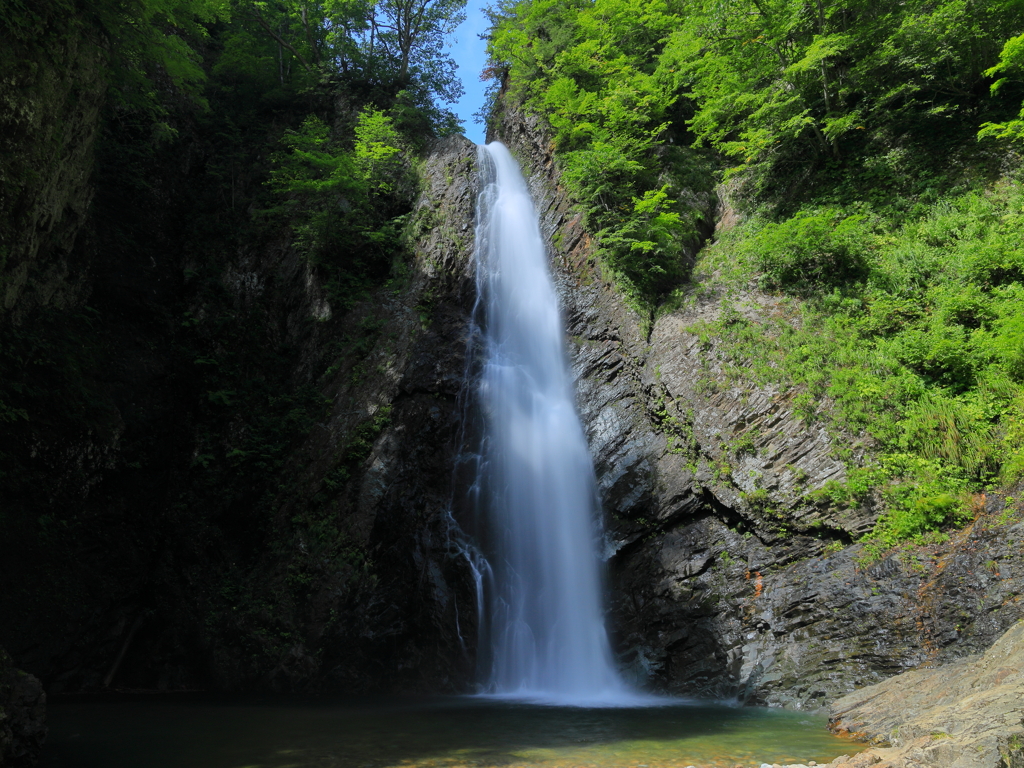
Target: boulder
{"points": [[968, 714]]}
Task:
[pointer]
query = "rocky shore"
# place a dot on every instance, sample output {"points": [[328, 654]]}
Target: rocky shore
{"points": [[968, 714]]}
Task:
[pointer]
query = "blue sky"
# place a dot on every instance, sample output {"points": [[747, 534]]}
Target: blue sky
{"points": [[468, 51]]}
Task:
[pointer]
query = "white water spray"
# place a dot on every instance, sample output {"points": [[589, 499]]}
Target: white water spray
{"points": [[543, 634]]}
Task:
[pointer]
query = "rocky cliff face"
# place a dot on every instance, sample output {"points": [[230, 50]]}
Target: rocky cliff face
{"points": [[256, 491], [261, 485], [386, 601], [50, 97], [723, 583]]}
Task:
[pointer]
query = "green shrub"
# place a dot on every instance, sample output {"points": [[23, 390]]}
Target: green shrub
{"points": [[1013, 444], [814, 248], [939, 353], [952, 430], [346, 206], [921, 356], [907, 521]]}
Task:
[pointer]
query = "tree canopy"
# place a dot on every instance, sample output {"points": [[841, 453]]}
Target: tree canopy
{"points": [[394, 43]]}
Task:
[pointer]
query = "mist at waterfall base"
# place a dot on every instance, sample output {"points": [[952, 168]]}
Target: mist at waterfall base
{"points": [[542, 635]]}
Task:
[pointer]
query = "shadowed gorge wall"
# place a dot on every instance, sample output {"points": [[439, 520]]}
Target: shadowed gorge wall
{"points": [[220, 469], [229, 462], [50, 98]]}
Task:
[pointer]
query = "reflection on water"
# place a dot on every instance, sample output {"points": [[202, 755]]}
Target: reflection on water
{"points": [[194, 732]]}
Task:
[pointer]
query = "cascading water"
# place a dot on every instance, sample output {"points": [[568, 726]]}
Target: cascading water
{"points": [[543, 634]]}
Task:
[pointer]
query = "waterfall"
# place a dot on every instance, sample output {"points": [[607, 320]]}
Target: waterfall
{"points": [[543, 634]]}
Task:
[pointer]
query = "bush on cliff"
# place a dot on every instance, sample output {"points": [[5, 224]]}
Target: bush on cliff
{"points": [[916, 355]]}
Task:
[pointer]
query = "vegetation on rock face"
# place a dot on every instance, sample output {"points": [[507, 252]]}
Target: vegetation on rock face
{"points": [[257, 159], [603, 76], [861, 144], [347, 207], [918, 354]]}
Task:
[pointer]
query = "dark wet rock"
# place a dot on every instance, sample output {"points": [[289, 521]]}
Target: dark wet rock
{"points": [[400, 615], [725, 580], [22, 716]]}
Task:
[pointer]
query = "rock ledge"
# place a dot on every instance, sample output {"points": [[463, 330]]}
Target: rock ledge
{"points": [[968, 714]]}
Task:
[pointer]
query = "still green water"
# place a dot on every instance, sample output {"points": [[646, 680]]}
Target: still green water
{"points": [[454, 732]]}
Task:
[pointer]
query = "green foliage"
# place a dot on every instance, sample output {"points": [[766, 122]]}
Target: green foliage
{"points": [[783, 87], [391, 50], [919, 350], [1012, 470], [645, 246], [347, 206], [814, 249], [906, 521], [407, 42], [155, 42], [833, 101], [1009, 68], [378, 153], [145, 36], [365, 434], [598, 73]]}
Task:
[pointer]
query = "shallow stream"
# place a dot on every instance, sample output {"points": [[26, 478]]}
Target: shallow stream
{"points": [[188, 731]]}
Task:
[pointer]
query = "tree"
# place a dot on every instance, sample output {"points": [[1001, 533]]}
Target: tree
{"points": [[407, 40], [780, 83], [394, 44], [1009, 69], [320, 35]]}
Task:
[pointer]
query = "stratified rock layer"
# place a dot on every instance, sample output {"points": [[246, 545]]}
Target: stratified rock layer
{"points": [[726, 582]]}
